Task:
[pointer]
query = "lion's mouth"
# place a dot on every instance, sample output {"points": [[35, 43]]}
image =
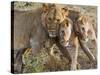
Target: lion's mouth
{"points": [[52, 33], [84, 39], [64, 43], [52, 30]]}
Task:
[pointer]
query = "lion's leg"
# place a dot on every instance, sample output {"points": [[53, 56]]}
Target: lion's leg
{"points": [[87, 51], [94, 35], [94, 38], [64, 51], [74, 55], [74, 60], [95, 42], [49, 45]]}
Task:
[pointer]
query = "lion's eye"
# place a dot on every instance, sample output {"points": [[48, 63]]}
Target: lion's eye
{"points": [[49, 19], [62, 31], [83, 29], [77, 33], [58, 20]]}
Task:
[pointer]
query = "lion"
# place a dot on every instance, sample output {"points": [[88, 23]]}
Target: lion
{"points": [[85, 31], [69, 42], [63, 37], [77, 18], [30, 30]]}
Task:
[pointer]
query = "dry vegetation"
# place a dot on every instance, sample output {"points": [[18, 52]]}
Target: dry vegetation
{"points": [[43, 62]]}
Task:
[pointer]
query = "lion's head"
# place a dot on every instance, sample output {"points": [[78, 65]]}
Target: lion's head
{"points": [[84, 27], [52, 16], [65, 30]]}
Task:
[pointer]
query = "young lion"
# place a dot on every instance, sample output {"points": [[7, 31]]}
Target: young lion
{"points": [[85, 31], [77, 17], [71, 44]]}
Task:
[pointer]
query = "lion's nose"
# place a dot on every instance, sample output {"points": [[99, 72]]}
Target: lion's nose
{"points": [[67, 42], [64, 42]]}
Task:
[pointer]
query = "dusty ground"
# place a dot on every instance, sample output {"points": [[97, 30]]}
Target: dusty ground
{"points": [[43, 62]]}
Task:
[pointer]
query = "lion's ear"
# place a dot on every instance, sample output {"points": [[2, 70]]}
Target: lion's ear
{"points": [[65, 11], [45, 7]]}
